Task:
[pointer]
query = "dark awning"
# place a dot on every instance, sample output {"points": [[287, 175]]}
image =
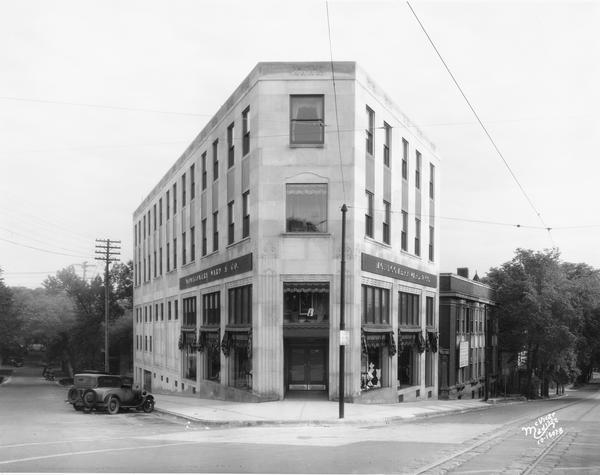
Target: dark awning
{"points": [[209, 339], [432, 341], [408, 339], [378, 337], [306, 287], [187, 338], [239, 338]]}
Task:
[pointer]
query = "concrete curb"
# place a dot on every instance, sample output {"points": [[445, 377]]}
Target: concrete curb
{"points": [[319, 422]]}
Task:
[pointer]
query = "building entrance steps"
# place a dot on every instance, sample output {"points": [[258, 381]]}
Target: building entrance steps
{"points": [[303, 411]]}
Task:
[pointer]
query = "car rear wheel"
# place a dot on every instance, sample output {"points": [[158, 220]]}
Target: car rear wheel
{"points": [[148, 405], [89, 398], [113, 405]]}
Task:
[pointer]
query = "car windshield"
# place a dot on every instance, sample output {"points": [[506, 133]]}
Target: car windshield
{"points": [[109, 382]]}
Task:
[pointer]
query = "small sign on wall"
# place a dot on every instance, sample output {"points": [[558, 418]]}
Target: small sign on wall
{"points": [[344, 337]]}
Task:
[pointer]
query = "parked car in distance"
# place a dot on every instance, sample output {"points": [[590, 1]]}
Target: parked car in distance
{"points": [[107, 392]]}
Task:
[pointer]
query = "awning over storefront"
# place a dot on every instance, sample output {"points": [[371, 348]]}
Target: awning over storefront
{"points": [[306, 287], [378, 337], [186, 338], [209, 339], [239, 338], [408, 338]]}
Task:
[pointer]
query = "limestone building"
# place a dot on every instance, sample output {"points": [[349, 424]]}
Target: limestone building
{"points": [[238, 247]]}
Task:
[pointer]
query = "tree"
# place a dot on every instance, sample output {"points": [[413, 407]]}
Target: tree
{"points": [[10, 322], [536, 314]]}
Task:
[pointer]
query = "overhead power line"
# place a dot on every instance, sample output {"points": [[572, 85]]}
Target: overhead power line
{"points": [[538, 214], [42, 250], [100, 106]]}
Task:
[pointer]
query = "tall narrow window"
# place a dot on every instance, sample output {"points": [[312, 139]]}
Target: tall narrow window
{"points": [[155, 266], [183, 190], [306, 120], [230, 145], [192, 181], [369, 131], [245, 215], [192, 243], [160, 261], [306, 208], [404, 232], [168, 202], [386, 222], [160, 212], [431, 180], [404, 159], [246, 131], [203, 160], [144, 226], [216, 231], [169, 310], [168, 257], [369, 215], [418, 170], [429, 312], [204, 240], [431, 248], [215, 151], [408, 309], [154, 215], [387, 145], [176, 309], [230, 223], [417, 237], [183, 249], [174, 253], [148, 223], [174, 199]]}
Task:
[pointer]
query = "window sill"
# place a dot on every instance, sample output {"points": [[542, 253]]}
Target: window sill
{"points": [[375, 241], [307, 145], [306, 234]]}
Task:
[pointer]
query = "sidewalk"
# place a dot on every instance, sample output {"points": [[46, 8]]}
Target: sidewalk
{"points": [[305, 411]]}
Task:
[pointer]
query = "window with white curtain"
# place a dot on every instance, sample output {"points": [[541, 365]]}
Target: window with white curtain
{"points": [[306, 207]]}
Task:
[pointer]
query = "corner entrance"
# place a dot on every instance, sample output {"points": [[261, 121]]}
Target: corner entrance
{"points": [[306, 364]]}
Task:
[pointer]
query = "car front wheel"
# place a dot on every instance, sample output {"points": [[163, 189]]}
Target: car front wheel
{"points": [[113, 405], [148, 405]]}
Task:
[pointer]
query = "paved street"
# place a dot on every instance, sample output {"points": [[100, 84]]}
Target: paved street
{"points": [[40, 433]]}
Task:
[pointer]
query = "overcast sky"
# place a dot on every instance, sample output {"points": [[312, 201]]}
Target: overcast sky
{"points": [[99, 98]]}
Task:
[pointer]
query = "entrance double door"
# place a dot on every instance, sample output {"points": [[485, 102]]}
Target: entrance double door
{"points": [[307, 365]]}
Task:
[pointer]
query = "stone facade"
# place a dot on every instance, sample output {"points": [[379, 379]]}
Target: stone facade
{"points": [[284, 172]]}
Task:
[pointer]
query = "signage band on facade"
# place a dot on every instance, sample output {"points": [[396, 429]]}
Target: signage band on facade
{"points": [[387, 268], [235, 266]]}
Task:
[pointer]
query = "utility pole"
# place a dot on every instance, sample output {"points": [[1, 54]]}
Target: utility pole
{"points": [[343, 334], [84, 265], [107, 249]]}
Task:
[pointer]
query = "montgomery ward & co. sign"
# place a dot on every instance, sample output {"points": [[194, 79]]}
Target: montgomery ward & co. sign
{"points": [[220, 271], [391, 269]]}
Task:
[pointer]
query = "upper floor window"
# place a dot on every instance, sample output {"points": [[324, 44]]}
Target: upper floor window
{"points": [[246, 131], [431, 180], [429, 312], [431, 242], [245, 215], [240, 305], [404, 159], [369, 131], [418, 170], [306, 207], [160, 212], [386, 221], [211, 304], [154, 215], [408, 309], [215, 150], [168, 204], [369, 215], [174, 199], [203, 161], [387, 145], [230, 223], [189, 312], [192, 181], [230, 145], [375, 305], [404, 232], [307, 119], [417, 237], [183, 190]]}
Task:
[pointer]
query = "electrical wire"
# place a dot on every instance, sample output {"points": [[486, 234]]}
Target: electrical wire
{"points": [[482, 125], [44, 250], [337, 120]]}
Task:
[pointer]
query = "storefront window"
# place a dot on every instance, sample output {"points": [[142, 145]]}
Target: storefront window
{"points": [[306, 208], [408, 367], [370, 370], [305, 302], [210, 335]]}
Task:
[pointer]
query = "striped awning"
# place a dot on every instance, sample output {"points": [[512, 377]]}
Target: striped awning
{"points": [[209, 339], [306, 287], [373, 338], [239, 338]]}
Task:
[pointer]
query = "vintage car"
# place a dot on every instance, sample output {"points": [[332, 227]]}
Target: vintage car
{"points": [[106, 391]]}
